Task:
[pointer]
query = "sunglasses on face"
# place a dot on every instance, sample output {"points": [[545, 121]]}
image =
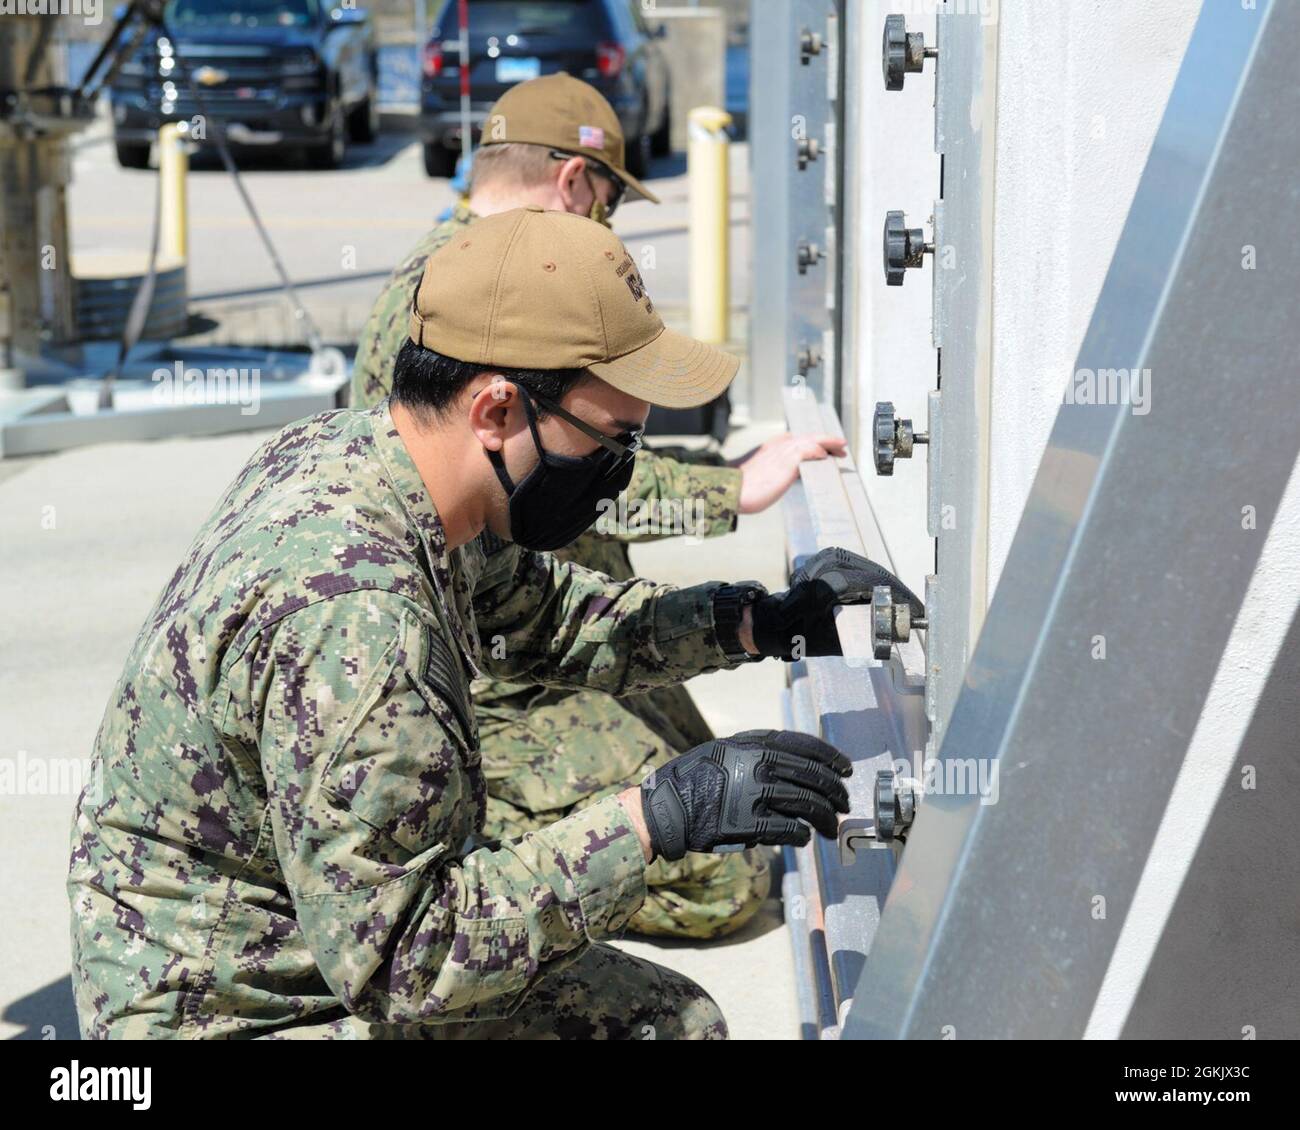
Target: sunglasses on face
{"points": [[606, 174], [620, 450]]}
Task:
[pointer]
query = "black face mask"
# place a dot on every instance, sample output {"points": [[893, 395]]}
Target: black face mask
{"points": [[560, 498]]}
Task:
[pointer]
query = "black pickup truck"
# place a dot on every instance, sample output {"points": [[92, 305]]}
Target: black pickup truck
{"points": [[298, 73]]}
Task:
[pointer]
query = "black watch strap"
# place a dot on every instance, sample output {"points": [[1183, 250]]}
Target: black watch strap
{"points": [[729, 604]]}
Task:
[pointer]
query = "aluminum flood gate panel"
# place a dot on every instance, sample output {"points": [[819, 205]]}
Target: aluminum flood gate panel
{"points": [[771, 67], [965, 104], [1133, 534], [794, 90]]}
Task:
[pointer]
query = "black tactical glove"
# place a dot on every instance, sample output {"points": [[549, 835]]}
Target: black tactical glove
{"points": [[806, 610], [754, 788]]}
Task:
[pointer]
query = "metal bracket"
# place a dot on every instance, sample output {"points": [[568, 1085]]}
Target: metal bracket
{"points": [[856, 834]]}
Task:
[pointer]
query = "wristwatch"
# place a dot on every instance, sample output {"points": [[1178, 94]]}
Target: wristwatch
{"points": [[729, 604]]}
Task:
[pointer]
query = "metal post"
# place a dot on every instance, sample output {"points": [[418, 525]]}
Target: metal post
{"points": [[173, 170]]}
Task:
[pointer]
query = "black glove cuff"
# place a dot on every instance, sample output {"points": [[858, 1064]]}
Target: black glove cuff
{"points": [[729, 603], [665, 817], [774, 626]]}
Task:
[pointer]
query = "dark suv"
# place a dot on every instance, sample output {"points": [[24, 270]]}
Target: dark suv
{"points": [[274, 72], [603, 42]]}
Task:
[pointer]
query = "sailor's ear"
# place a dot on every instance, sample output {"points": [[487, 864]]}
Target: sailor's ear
{"points": [[492, 399]]}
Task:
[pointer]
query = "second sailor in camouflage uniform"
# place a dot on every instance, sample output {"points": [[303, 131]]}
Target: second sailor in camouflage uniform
{"points": [[551, 751]]}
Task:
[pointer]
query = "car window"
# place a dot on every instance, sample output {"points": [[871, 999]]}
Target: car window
{"points": [[624, 14], [526, 17], [242, 13]]}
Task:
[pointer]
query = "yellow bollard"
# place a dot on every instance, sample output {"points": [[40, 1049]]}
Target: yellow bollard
{"points": [[173, 172], [710, 231]]}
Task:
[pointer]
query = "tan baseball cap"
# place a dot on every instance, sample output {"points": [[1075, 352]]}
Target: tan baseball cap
{"points": [[532, 289], [562, 112]]}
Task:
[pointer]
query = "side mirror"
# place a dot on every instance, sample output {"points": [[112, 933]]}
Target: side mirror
{"points": [[661, 32]]}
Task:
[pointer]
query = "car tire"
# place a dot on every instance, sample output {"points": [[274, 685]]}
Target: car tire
{"points": [[131, 156], [661, 141], [363, 123], [439, 161], [638, 155], [330, 155]]}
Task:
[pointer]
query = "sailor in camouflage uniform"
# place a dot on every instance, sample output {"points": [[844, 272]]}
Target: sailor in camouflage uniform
{"points": [[548, 752], [291, 776], [286, 836]]}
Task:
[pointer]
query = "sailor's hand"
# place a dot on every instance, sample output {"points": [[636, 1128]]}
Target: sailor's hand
{"points": [[801, 620], [757, 787]]}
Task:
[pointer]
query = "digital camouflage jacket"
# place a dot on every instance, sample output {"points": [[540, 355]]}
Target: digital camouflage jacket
{"points": [[286, 787]]}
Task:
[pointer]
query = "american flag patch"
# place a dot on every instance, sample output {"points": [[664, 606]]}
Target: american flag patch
{"points": [[591, 137]]}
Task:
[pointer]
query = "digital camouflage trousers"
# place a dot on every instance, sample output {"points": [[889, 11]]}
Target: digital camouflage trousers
{"points": [[605, 994]]}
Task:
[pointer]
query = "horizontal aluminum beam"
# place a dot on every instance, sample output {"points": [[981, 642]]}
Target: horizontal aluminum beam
{"points": [[49, 431], [874, 712]]}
